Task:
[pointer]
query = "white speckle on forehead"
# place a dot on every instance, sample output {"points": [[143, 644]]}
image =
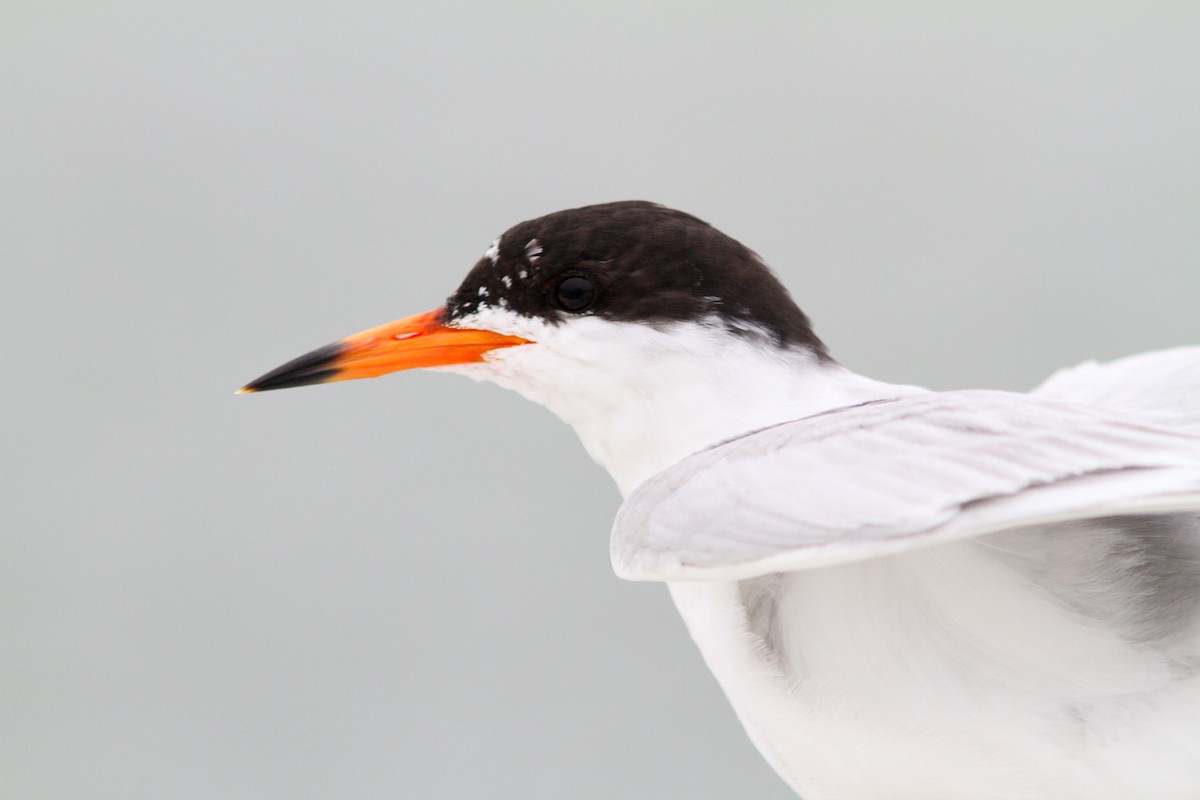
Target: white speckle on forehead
{"points": [[502, 320], [523, 274], [533, 249], [493, 252], [483, 292], [507, 281], [503, 302]]}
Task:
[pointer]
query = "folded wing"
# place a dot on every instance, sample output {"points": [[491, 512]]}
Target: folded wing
{"points": [[893, 475]]}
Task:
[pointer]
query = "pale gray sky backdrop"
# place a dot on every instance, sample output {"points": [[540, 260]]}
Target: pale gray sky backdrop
{"points": [[400, 588]]}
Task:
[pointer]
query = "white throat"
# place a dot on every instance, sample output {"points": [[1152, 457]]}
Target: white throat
{"points": [[641, 398]]}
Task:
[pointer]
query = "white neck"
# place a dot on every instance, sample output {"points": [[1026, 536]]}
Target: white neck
{"points": [[642, 398]]}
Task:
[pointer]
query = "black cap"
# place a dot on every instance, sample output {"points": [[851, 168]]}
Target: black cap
{"points": [[648, 264]]}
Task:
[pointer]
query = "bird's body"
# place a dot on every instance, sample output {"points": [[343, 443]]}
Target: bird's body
{"points": [[1009, 665], [903, 593], [951, 672]]}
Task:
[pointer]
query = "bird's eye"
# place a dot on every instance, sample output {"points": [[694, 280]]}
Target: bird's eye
{"points": [[575, 293]]}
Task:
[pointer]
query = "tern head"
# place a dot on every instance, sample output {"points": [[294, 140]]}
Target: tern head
{"points": [[643, 327]]}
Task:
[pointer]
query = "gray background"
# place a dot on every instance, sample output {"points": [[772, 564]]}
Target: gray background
{"points": [[400, 587]]}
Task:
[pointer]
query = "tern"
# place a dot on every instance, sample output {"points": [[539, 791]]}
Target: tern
{"points": [[904, 594]]}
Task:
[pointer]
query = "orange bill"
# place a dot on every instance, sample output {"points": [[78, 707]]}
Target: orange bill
{"points": [[420, 341]]}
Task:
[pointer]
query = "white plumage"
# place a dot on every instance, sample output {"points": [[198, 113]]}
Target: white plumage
{"points": [[908, 594], [953, 595], [1162, 386]]}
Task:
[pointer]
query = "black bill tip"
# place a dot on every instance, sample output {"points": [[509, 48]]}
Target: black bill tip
{"points": [[310, 368]]}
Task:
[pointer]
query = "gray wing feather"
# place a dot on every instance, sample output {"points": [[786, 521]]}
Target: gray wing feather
{"points": [[888, 476]]}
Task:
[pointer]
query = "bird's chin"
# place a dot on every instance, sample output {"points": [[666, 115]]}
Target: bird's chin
{"points": [[476, 372], [532, 371], [498, 366]]}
